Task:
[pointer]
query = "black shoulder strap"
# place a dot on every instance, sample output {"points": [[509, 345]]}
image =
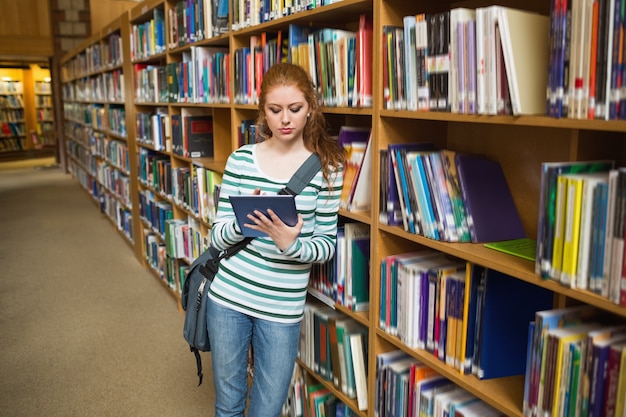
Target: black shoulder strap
{"points": [[303, 175]]}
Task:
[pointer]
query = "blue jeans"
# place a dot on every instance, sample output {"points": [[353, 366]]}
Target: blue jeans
{"points": [[275, 347]]}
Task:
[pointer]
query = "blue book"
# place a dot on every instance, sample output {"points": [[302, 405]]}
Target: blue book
{"points": [[393, 208], [600, 352], [598, 236], [503, 337], [424, 192]]}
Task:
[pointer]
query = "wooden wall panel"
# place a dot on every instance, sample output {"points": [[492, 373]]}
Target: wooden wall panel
{"points": [[104, 12], [25, 28]]}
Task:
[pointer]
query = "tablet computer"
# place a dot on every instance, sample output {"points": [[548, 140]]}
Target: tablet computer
{"points": [[283, 205]]}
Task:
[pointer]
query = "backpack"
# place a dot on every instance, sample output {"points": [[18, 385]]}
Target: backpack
{"points": [[201, 272]]}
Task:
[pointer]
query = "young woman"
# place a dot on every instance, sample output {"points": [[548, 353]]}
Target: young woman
{"points": [[257, 298]]}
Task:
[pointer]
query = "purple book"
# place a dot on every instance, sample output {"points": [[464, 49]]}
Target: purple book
{"points": [[491, 212]]}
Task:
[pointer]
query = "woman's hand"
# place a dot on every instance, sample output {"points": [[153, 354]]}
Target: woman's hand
{"points": [[282, 234]]}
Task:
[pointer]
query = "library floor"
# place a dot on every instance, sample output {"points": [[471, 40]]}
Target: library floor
{"points": [[85, 330]]}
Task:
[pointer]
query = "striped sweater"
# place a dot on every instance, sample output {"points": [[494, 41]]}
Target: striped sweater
{"points": [[261, 280]]}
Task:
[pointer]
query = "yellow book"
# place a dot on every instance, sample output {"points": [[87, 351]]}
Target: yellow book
{"points": [[565, 336], [571, 225], [620, 404], [462, 347], [559, 227]]}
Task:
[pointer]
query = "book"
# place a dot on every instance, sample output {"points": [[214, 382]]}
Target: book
{"points": [[354, 140], [601, 352], [613, 368], [358, 342], [503, 337], [360, 198], [491, 212], [545, 320], [383, 360], [357, 244], [620, 401], [547, 206], [525, 41], [525, 248], [393, 205]]}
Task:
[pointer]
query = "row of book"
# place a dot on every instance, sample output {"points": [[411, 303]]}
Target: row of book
{"points": [[8, 144], [12, 115], [155, 171], [195, 20], [356, 194], [580, 235], [489, 60], [248, 13], [115, 152], [182, 239], [10, 129], [115, 181], [308, 398], [120, 215], [445, 195], [576, 364], [345, 279], [248, 133], [148, 38], [43, 100], [96, 57], [188, 134], [201, 77], [194, 189], [107, 118], [11, 87], [154, 129], [453, 309], [11, 102], [105, 87], [586, 60], [406, 387], [334, 346], [338, 62]]}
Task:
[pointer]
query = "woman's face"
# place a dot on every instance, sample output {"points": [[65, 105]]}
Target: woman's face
{"points": [[286, 111]]}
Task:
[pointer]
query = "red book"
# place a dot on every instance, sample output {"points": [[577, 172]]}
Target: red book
{"points": [[364, 41]]}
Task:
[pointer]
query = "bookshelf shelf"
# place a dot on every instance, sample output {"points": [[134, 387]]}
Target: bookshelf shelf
{"points": [[519, 143], [504, 393], [535, 121]]}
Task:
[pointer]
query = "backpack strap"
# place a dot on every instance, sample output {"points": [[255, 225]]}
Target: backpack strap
{"points": [[303, 175]]}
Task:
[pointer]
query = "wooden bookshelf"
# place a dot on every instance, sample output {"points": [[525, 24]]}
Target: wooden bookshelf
{"points": [[519, 143]]}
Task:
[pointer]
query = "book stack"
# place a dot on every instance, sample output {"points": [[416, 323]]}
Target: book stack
{"points": [[580, 235], [335, 347], [338, 62], [448, 196], [491, 60], [575, 361], [452, 309], [345, 278]]}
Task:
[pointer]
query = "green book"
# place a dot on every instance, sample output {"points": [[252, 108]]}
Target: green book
{"points": [[525, 247]]}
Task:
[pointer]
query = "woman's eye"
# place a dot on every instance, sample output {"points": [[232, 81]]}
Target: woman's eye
{"points": [[296, 109], [275, 111]]}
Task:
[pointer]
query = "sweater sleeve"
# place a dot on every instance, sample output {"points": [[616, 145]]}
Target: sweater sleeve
{"points": [[318, 245]]}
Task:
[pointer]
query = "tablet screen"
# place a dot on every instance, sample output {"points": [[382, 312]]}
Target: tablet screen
{"points": [[283, 205]]}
